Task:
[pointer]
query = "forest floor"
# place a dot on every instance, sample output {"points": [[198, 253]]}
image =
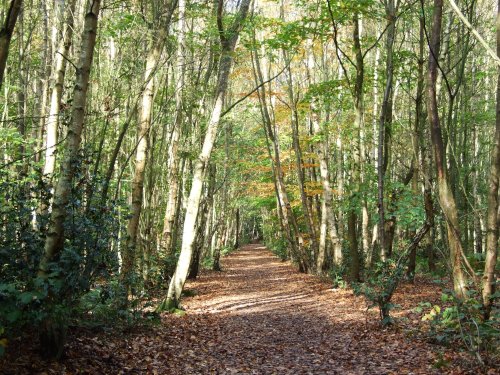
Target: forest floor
{"points": [[260, 316]]}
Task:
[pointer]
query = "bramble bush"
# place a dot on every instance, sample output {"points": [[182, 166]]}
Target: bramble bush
{"points": [[27, 299], [460, 321]]}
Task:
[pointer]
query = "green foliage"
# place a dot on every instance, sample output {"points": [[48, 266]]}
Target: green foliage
{"points": [[379, 286], [226, 250], [207, 263], [288, 35], [326, 92], [121, 24], [342, 11], [337, 274], [461, 321], [273, 238], [102, 306], [409, 208], [167, 268], [49, 301], [279, 247]]}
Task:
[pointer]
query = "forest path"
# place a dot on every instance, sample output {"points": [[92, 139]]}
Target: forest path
{"points": [[260, 316]]}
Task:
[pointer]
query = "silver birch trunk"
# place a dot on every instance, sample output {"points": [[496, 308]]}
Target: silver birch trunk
{"points": [[173, 191], [141, 156], [188, 236], [54, 241], [493, 204], [328, 221], [323, 153], [65, 18], [298, 157], [287, 216]]}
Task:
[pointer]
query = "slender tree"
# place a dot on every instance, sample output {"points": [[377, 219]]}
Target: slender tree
{"points": [[174, 178], [52, 333], [6, 34], [54, 242], [64, 18], [493, 201], [446, 199], [385, 127], [228, 40]]}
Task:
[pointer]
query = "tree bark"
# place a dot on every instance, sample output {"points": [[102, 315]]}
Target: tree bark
{"points": [[54, 242], [173, 191], [493, 203], [298, 158], [328, 220], [6, 34], [385, 126], [330, 224], [416, 138], [446, 199], [66, 24], [141, 156], [287, 216], [228, 40], [354, 268], [237, 230], [159, 35]]}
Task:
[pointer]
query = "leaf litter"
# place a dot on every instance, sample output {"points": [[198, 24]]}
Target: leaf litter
{"points": [[260, 316]]}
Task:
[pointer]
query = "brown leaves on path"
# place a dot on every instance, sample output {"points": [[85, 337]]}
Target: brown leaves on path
{"points": [[260, 316]]}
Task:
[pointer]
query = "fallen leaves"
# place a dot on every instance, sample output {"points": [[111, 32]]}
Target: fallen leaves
{"points": [[259, 316]]}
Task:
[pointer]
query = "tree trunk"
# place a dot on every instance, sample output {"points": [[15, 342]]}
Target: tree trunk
{"points": [[354, 266], [228, 44], [65, 16], [173, 191], [237, 230], [6, 34], [298, 159], [418, 130], [141, 157], [476, 204], [54, 242], [385, 127], [52, 332], [114, 156], [330, 224], [224, 216], [328, 220], [43, 84], [356, 173], [446, 199], [493, 203], [194, 267], [287, 217]]}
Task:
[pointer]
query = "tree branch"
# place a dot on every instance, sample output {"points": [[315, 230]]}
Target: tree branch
{"points": [[251, 92], [466, 22]]}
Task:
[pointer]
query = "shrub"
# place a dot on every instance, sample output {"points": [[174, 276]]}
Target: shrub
{"points": [[337, 275], [461, 321]]}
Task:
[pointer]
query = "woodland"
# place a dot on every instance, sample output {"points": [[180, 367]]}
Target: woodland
{"points": [[249, 186]]}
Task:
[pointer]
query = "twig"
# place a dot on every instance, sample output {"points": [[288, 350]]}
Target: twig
{"points": [[467, 24], [251, 92]]}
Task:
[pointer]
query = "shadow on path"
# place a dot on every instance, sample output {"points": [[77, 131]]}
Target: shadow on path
{"points": [[260, 316], [257, 316]]}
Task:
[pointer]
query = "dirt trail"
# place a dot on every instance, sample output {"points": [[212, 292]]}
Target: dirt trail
{"points": [[259, 316]]}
